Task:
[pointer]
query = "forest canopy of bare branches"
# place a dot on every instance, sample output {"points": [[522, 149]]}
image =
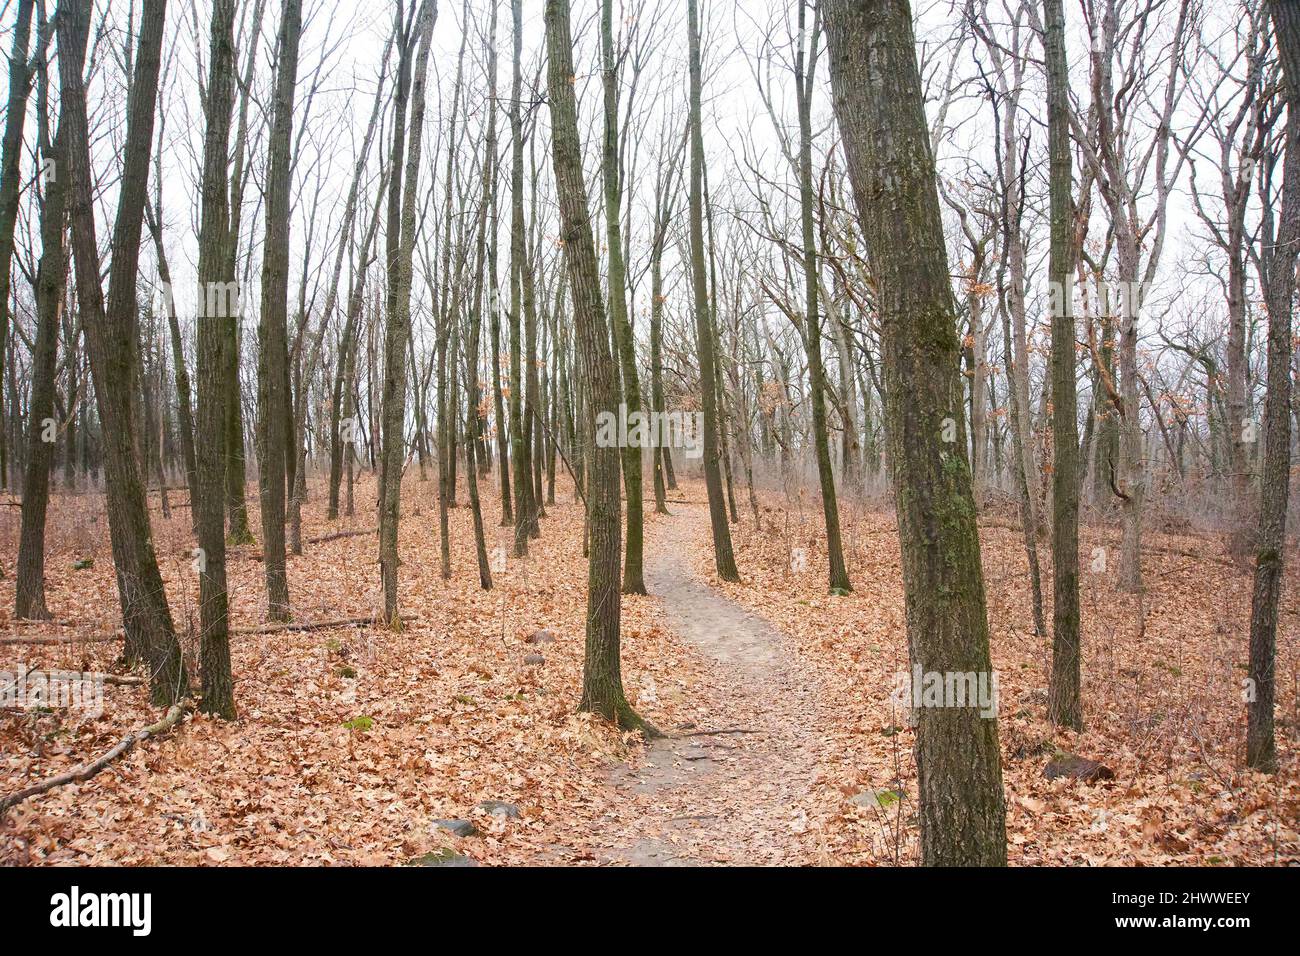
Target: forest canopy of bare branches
{"points": [[802, 432]]}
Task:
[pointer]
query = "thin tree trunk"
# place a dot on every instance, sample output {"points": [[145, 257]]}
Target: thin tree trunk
{"points": [[611, 175], [51, 277], [350, 322], [1065, 705], [602, 681], [401, 249], [72, 361], [10, 176], [153, 216], [521, 292], [236, 494], [665, 203], [215, 338], [273, 325], [476, 314], [1270, 556], [724, 558], [838, 579]]}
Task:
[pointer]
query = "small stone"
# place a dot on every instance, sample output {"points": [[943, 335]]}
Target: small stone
{"points": [[460, 828], [540, 637], [875, 798], [499, 808], [534, 660], [443, 858]]}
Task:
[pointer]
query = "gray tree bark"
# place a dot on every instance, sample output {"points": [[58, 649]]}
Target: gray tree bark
{"points": [[602, 680], [881, 114], [110, 329]]}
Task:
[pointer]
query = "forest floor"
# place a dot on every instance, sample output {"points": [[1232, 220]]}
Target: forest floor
{"points": [[781, 742]]}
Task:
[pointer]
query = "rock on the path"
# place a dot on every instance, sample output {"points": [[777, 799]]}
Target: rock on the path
{"points": [[443, 858], [1077, 768], [460, 828], [534, 660], [540, 637], [875, 798], [499, 808]]}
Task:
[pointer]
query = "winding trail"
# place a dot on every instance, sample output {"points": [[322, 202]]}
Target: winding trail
{"points": [[739, 790]]}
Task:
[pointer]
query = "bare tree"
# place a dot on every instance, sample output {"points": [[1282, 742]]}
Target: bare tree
{"points": [[215, 337], [1064, 703], [706, 349], [602, 679], [1120, 164], [111, 331], [51, 277], [10, 174], [401, 250], [1280, 255], [881, 115]]}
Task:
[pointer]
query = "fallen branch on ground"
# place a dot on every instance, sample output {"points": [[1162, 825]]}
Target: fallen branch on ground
{"points": [[69, 639], [314, 625], [91, 676], [86, 771], [234, 631], [340, 534]]}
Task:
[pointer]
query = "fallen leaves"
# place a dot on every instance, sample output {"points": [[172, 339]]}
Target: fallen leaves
{"points": [[354, 742], [1162, 691]]}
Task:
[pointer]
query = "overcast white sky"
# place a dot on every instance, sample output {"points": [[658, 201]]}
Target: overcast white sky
{"points": [[345, 39]]}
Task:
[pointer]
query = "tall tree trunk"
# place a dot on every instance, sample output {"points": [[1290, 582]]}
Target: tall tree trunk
{"points": [[602, 680], [1011, 307], [215, 338], [1270, 556], [236, 485], [660, 450], [724, 558], [665, 203], [838, 575], [498, 399], [51, 277], [347, 338], [110, 332], [273, 324], [978, 390], [476, 315], [1132, 472], [719, 352], [71, 333], [10, 176], [401, 249], [611, 175], [1065, 705], [521, 294], [881, 113], [343, 419]]}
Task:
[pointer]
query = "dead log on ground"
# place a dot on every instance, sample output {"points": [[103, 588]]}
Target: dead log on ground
{"points": [[86, 771]]}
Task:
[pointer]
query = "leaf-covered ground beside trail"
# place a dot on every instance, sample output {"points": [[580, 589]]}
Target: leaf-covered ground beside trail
{"points": [[457, 717], [1162, 685]]}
